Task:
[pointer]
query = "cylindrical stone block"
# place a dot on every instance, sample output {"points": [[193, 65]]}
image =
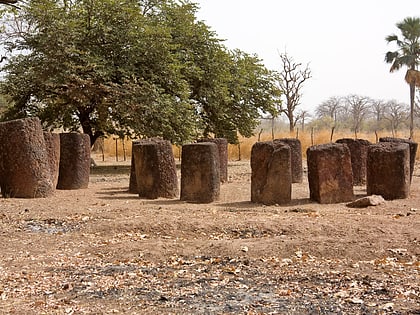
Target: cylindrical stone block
{"points": [[155, 169], [200, 177], [24, 167], [222, 147], [74, 161], [388, 170], [330, 173], [52, 143], [358, 151], [413, 150], [296, 158], [271, 173]]}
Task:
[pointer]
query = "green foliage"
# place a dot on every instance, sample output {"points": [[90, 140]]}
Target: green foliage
{"points": [[138, 68]]}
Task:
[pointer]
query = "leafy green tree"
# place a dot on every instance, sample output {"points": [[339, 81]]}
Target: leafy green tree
{"points": [[139, 68], [407, 54]]}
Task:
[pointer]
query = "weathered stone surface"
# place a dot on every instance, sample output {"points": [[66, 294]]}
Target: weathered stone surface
{"points": [[200, 177], [358, 151], [413, 150], [74, 161], [271, 173], [52, 144], [330, 173], [367, 201], [155, 169], [132, 186], [24, 167], [222, 147], [388, 170], [296, 158]]}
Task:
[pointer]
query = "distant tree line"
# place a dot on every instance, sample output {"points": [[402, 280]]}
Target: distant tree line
{"points": [[360, 113]]}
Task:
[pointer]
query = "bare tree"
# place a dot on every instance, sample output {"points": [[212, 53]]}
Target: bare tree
{"points": [[291, 81], [329, 108], [358, 107], [396, 114], [301, 117]]}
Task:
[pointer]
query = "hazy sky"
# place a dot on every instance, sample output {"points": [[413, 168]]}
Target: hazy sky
{"points": [[343, 41]]}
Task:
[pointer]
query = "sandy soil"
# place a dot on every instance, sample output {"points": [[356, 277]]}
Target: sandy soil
{"points": [[101, 250]]}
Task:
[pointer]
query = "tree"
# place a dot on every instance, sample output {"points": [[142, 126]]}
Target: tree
{"points": [[396, 114], [138, 68], [329, 108], [292, 78], [357, 107], [407, 54]]}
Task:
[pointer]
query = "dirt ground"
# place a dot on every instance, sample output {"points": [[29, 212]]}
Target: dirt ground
{"points": [[103, 251]]}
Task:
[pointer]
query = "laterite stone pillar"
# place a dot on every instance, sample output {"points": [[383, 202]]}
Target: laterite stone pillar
{"points": [[74, 161], [358, 151], [271, 173], [296, 158], [413, 150], [200, 173], [388, 170], [52, 144], [330, 173], [24, 167], [155, 169], [222, 147]]}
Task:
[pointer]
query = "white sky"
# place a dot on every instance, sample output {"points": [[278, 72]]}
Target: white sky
{"points": [[343, 41]]}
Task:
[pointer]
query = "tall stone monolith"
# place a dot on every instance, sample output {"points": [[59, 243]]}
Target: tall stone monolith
{"points": [[271, 173], [74, 161], [330, 174], [388, 170], [24, 167]]}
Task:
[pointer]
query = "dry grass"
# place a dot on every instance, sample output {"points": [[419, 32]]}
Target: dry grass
{"points": [[307, 139]]}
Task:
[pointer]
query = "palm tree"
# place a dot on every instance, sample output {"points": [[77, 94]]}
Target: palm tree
{"points": [[408, 54]]}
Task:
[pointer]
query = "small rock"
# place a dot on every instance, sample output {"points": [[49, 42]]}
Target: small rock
{"points": [[364, 202]]}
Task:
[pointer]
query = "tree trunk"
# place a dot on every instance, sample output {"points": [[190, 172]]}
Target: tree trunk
{"points": [[291, 122], [412, 95]]}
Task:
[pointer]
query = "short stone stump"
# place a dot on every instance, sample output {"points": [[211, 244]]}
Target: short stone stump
{"points": [[388, 170], [271, 173], [74, 161], [296, 158], [413, 150], [200, 177], [330, 173], [222, 147], [155, 169], [24, 168], [358, 151], [52, 144]]}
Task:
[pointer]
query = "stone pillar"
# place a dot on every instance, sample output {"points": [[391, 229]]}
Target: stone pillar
{"points": [[413, 150], [155, 169], [388, 170], [271, 173], [74, 161], [330, 173], [200, 177], [132, 186], [358, 151], [24, 167], [52, 143], [222, 147], [296, 158]]}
